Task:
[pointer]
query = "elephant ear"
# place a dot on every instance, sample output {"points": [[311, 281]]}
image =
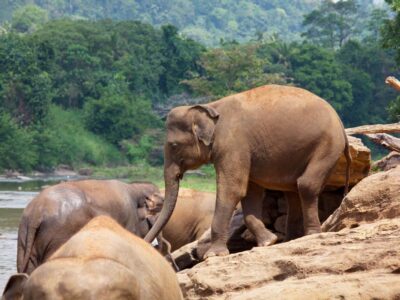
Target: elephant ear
{"points": [[204, 121], [15, 287]]}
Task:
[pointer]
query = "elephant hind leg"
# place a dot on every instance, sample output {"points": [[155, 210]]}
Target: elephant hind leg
{"points": [[310, 185], [252, 205], [294, 221]]}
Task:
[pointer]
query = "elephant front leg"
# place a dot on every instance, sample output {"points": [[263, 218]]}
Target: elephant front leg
{"points": [[231, 189]]}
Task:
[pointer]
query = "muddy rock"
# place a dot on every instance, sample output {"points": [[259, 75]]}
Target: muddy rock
{"points": [[358, 263], [375, 197]]}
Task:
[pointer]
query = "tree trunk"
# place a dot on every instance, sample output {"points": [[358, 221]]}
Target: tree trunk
{"points": [[393, 82], [389, 142], [377, 128]]}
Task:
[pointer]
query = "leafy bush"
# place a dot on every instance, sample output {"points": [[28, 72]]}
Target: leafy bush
{"points": [[137, 152], [118, 115], [394, 110], [17, 149], [65, 140]]}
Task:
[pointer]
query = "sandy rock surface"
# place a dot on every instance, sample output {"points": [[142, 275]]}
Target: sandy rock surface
{"points": [[375, 197], [359, 263]]}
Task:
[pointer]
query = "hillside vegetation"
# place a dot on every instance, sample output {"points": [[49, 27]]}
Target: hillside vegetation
{"points": [[206, 21], [94, 92]]}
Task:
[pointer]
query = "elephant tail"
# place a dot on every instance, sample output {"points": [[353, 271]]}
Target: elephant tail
{"points": [[348, 164], [26, 238]]}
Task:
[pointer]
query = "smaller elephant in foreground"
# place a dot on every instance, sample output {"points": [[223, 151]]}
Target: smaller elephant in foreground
{"points": [[101, 261], [191, 218], [60, 211]]}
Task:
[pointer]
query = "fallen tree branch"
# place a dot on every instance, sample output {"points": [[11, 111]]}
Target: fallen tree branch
{"points": [[377, 128], [389, 142], [393, 82]]}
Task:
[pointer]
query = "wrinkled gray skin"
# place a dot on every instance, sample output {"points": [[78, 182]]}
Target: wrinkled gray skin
{"points": [[275, 137], [102, 261], [60, 211]]}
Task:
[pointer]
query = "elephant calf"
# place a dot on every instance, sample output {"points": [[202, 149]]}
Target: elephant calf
{"points": [[191, 218], [101, 261], [60, 211]]}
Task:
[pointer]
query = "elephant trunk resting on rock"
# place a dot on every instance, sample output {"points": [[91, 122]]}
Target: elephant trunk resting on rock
{"points": [[275, 137], [60, 211], [101, 261]]}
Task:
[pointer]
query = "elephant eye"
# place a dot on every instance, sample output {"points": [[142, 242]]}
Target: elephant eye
{"points": [[174, 145]]}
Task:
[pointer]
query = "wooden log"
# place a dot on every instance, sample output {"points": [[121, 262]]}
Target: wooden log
{"points": [[377, 128], [388, 162], [393, 82], [389, 142]]}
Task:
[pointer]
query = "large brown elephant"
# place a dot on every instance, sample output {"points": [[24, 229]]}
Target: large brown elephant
{"points": [[192, 217], [101, 261], [60, 211], [276, 137]]}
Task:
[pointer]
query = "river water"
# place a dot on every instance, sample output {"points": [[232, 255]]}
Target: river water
{"points": [[14, 196]]}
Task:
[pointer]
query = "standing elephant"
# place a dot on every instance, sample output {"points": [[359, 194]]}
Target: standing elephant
{"points": [[275, 137], [60, 211], [192, 217], [101, 261]]}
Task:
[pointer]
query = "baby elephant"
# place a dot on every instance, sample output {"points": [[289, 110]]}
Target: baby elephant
{"points": [[101, 261], [60, 211]]}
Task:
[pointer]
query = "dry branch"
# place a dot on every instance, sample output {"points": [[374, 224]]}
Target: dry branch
{"points": [[393, 82], [378, 128], [389, 142]]}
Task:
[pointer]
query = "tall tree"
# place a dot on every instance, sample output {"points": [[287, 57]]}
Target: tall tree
{"points": [[332, 24], [28, 18], [315, 68]]}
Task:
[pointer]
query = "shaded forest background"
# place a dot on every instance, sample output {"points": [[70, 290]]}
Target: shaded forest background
{"points": [[88, 82]]}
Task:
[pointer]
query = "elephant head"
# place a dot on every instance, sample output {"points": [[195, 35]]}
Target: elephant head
{"points": [[190, 135]]}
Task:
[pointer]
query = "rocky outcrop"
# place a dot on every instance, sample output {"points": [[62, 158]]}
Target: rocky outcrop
{"points": [[360, 165], [359, 263], [375, 197]]}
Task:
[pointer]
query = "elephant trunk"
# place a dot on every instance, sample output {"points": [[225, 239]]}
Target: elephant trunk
{"points": [[171, 177]]}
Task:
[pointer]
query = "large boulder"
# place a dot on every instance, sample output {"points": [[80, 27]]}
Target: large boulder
{"points": [[360, 165], [359, 263], [375, 197]]}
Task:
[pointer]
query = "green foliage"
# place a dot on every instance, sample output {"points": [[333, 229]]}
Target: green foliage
{"points": [[65, 140], [230, 69], [391, 29], [138, 152], [17, 151], [315, 69], [118, 115], [394, 110], [332, 23], [365, 65], [28, 18], [82, 92], [25, 89]]}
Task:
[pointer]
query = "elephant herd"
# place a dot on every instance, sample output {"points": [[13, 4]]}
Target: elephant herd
{"points": [[82, 239]]}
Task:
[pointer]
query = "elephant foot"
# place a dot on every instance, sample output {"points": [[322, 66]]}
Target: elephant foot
{"points": [[312, 231], [269, 240], [216, 251]]}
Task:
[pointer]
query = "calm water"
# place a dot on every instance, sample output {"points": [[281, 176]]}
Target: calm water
{"points": [[14, 196]]}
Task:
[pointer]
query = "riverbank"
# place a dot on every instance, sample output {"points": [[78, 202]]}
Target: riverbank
{"points": [[202, 179]]}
